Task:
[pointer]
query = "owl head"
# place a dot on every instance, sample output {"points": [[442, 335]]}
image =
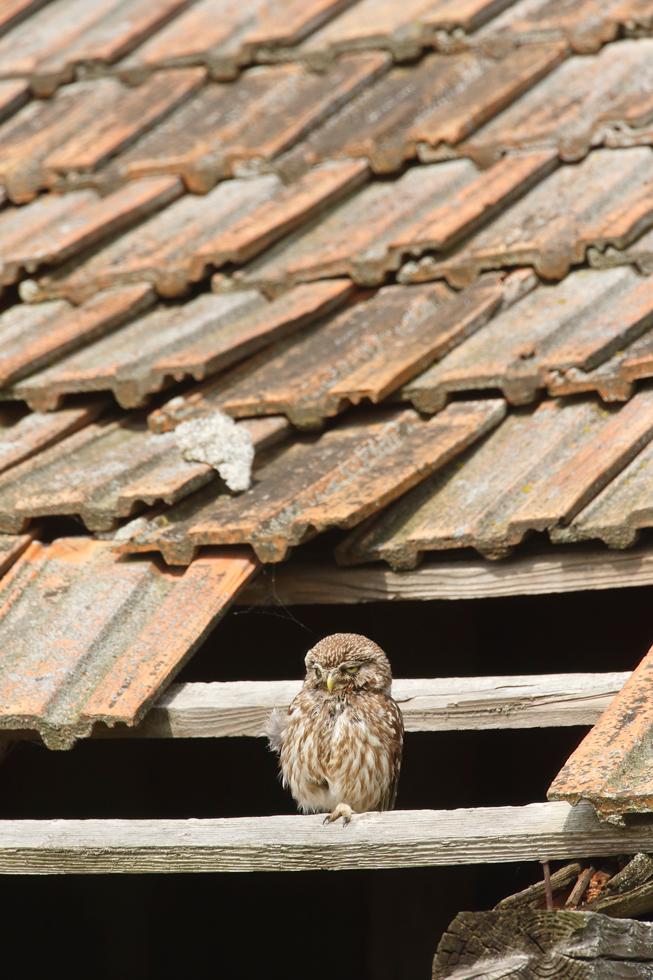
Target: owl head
{"points": [[347, 662]]}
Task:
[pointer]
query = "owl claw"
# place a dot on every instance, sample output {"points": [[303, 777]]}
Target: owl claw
{"points": [[342, 810]]}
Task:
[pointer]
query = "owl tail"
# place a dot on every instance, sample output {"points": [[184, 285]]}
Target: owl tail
{"points": [[274, 730]]}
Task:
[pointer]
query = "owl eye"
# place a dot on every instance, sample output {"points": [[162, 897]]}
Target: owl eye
{"points": [[351, 670], [318, 670]]}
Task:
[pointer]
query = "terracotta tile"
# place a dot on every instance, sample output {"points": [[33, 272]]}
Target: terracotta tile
{"points": [[554, 331], [13, 94], [24, 436], [91, 637], [606, 99], [429, 207], [66, 35], [362, 353], [536, 472], [427, 108], [104, 472], [225, 35], [610, 767], [57, 141], [235, 220], [173, 342], [623, 509], [585, 25], [56, 227], [335, 480], [33, 335], [404, 29], [601, 204], [227, 128], [13, 11]]}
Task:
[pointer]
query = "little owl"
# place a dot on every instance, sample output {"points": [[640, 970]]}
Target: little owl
{"points": [[340, 741]]}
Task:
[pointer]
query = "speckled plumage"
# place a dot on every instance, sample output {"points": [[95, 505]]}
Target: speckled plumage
{"points": [[340, 743]]}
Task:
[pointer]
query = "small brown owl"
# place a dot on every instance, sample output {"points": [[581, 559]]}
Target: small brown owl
{"points": [[340, 741]]}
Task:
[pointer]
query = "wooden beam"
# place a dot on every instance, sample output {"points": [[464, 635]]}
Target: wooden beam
{"points": [[557, 570], [402, 839], [430, 705]]}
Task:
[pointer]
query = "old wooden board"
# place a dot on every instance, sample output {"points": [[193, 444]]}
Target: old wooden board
{"points": [[399, 839]]}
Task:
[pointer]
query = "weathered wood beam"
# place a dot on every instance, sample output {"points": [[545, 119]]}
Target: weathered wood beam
{"points": [[400, 839], [559, 570], [429, 705]]}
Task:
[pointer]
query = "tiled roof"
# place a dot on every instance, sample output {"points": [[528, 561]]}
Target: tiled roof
{"points": [[285, 210], [88, 637]]}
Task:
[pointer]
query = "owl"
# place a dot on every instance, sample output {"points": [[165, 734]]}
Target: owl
{"points": [[340, 742]]}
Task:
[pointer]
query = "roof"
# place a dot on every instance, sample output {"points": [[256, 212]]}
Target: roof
{"points": [[408, 246]]}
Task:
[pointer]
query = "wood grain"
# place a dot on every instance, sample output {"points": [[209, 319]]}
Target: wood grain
{"points": [[415, 838], [572, 570], [430, 705]]}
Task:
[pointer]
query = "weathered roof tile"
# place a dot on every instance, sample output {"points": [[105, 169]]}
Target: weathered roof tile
{"points": [[11, 547], [585, 25], [107, 471], [230, 224], [172, 342], [335, 480], [569, 327], [67, 137], [225, 35], [26, 435], [90, 637], [614, 88], [425, 108], [611, 767], [428, 208], [538, 470], [606, 200], [226, 128], [56, 227], [65, 35], [364, 352], [33, 335], [404, 29]]}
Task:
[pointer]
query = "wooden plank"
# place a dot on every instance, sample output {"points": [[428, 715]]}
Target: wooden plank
{"points": [[560, 570], [409, 838], [430, 705]]}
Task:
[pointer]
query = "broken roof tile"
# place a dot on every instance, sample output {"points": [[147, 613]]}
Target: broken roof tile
{"points": [[607, 200], [639, 254], [67, 137], [612, 765], [335, 480], [230, 224], [572, 326], [225, 35], [620, 511], [404, 29], [428, 208], [536, 471], [23, 436], [227, 128], [426, 108], [33, 335], [105, 472], [364, 352], [586, 25], [585, 102], [66, 35], [172, 342], [90, 637], [56, 227]]}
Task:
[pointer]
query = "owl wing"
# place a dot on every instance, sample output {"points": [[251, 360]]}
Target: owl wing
{"points": [[394, 737]]}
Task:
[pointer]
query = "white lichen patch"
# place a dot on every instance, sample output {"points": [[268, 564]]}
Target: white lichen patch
{"points": [[218, 440]]}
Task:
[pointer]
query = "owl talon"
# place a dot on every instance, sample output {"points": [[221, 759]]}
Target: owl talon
{"points": [[342, 810]]}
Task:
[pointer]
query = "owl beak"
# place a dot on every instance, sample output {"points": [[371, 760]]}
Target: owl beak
{"points": [[331, 681]]}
